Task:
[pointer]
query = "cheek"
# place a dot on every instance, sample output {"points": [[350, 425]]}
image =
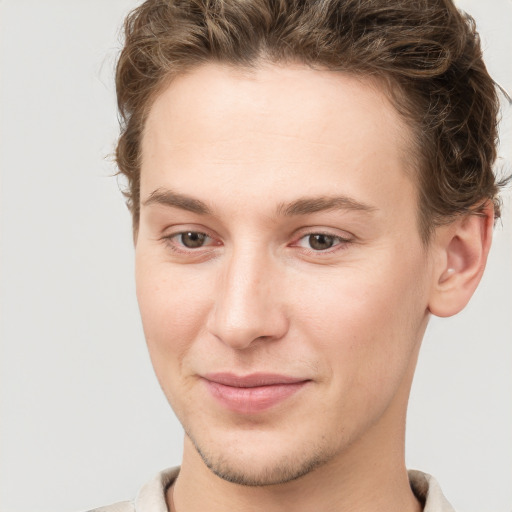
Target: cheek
{"points": [[173, 306], [366, 319]]}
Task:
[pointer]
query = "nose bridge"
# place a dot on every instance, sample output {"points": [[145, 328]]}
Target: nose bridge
{"points": [[247, 305]]}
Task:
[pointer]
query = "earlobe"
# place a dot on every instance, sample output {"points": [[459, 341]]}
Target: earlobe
{"points": [[461, 251]]}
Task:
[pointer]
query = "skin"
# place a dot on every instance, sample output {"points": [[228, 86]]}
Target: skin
{"points": [[259, 294]]}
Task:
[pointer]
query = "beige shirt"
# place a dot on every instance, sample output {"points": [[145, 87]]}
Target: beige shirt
{"points": [[151, 497]]}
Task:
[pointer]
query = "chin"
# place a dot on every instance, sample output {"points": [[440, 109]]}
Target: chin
{"points": [[259, 467]]}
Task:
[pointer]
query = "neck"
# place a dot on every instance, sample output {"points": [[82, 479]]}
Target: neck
{"points": [[369, 477], [328, 489]]}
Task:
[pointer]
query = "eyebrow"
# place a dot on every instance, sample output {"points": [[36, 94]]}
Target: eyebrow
{"points": [[301, 206], [307, 205], [169, 198]]}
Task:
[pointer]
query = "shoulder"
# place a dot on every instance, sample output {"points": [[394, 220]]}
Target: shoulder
{"points": [[122, 506], [150, 498]]}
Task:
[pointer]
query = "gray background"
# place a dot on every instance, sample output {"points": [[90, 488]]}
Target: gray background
{"points": [[83, 422]]}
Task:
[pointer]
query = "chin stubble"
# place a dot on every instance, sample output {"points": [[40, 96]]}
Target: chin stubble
{"points": [[280, 472]]}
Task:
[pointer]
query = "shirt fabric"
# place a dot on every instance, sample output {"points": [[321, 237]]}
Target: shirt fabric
{"points": [[151, 497]]}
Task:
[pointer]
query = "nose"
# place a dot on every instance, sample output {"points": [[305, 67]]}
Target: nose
{"points": [[249, 305]]}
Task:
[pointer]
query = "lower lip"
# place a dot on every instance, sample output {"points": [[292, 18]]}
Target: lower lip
{"points": [[252, 400]]}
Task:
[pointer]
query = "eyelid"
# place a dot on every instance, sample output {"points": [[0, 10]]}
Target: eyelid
{"points": [[344, 240], [173, 232]]}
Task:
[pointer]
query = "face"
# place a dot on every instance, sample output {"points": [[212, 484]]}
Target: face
{"points": [[281, 277]]}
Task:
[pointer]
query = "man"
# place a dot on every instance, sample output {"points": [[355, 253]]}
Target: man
{"points": [[309, 182]]}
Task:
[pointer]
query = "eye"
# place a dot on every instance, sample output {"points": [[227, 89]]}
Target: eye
{"points": [[191, 239], [319, 242], [191, 244]]}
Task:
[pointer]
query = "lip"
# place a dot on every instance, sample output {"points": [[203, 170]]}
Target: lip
{"points": [[250, 394]]}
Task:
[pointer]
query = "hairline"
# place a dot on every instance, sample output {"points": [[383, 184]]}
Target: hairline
{"points": [[383, 82]]}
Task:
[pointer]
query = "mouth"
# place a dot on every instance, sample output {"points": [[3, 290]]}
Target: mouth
{"points": [[250, 394]]}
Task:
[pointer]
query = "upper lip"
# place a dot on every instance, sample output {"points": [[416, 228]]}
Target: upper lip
{"points": [[251, 381]]}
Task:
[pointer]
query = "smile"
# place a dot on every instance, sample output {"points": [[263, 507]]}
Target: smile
{"points": [[252, 393]]}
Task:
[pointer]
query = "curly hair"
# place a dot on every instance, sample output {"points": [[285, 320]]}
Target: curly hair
{"points": [[426, 52]]}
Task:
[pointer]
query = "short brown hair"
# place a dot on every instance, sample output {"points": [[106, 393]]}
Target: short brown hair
{"points": [[426, 51]]}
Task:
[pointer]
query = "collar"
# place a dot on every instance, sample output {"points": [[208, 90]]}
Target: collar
{"points": [[151, 497], [427, 490]]}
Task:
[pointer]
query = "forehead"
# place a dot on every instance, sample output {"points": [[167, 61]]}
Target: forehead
{"points": [[289, 128]]}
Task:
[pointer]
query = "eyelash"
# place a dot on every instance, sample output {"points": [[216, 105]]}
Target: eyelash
{"points": [[181, 248], [339, 243]]}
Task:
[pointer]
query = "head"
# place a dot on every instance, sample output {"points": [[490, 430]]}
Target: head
{"points": [[308, 181]]}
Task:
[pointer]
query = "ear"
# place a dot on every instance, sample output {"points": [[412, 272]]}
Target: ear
{"points": [[461, 249]]}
